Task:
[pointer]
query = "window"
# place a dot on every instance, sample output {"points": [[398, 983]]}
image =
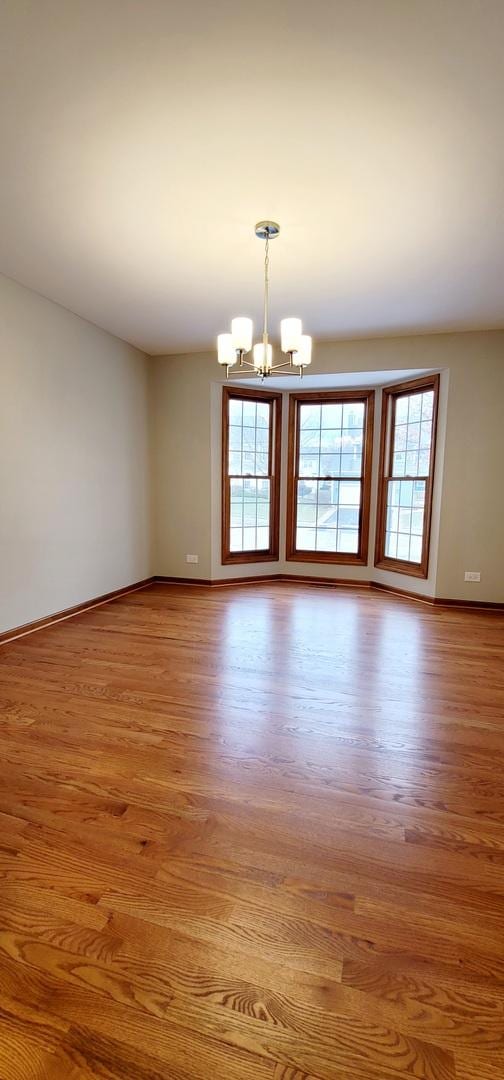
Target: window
{"points": [[330, 441], [408, 438], [251, 441]]}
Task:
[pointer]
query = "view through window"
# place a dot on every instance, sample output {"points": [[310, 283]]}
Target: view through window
{"points": [[329, 469], [409, 416], [251, 432]]}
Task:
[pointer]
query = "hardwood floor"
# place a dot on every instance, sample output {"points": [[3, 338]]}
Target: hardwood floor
{"points": [[253, 834]]}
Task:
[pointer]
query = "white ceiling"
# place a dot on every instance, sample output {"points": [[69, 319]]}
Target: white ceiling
{"points": [[142, 139]]}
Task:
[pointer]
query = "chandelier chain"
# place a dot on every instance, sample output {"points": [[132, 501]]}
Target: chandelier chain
{"points": [[266, 291]]}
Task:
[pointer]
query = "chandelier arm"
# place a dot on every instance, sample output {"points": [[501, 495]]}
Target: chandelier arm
{"points": [[235, 369]]}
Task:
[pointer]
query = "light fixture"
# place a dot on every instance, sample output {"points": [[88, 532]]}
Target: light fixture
{"points": [[232, 348]]}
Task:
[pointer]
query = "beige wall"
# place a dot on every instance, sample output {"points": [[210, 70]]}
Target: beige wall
{"points": [[80, 412], [470, 513], [74, 465]]}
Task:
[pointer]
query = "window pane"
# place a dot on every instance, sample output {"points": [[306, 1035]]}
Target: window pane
{"points": [[249, 414], [400, 437], [263, 414], [250, 515], [309, 440], [330, 464], [306, 539], [351, 465], [412, 434], [350, 492], [236, 514], [307, 492], [332, 415], [235, 438], [399, 464], [412, 463], [236, 543], [413, 440], [391, 545], [248, 438], [402, 546], [326, 539], [423, 462], [415, 408], [309, 416], [392, 518], [331, 439], [235, 411], [425, 434], [417, 520], [262, 440], [328, 514], [405, 520], [427, 404], [415, 549], [248, 464], [353, 415], [309, 465], [261, 464], [401, 410], [307, 514], [348, 541]]}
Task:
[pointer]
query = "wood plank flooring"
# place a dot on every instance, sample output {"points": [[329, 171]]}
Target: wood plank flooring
{"points": [[254, 833]]}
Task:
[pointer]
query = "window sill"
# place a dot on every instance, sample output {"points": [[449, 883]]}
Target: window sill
{"points": [[398, 567], [248, 557], [334, 558]]}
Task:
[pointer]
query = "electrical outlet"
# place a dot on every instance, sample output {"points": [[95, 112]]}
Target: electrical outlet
{"points": [[472, 575], [192, 558]]}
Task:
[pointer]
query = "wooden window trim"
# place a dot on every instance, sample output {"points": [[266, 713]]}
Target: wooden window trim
{"points": [[275, 448], [366, 397], [389, 398]]}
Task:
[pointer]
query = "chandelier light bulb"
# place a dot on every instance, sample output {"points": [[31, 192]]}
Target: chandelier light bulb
{"points": [[263, 361], [225, 351], [241, 332], [302, 358], [290, 331]]}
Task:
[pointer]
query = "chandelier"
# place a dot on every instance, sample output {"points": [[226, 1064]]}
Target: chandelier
{"points": [[232, 348]]}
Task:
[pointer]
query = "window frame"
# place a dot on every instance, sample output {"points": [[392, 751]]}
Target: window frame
{"points": [[390, 394], [313, 397], [273, 475]]}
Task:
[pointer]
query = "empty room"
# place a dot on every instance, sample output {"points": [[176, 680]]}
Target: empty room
{"points": [[251, 540]]}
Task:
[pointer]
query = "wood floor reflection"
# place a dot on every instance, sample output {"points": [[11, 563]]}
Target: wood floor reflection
{"points": [[254, 833]]}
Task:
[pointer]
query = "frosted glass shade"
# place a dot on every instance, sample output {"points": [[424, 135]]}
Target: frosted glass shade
{"points": [[302, 357], [290, 332], [259, 363], [241, 332], [225, 350]]}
